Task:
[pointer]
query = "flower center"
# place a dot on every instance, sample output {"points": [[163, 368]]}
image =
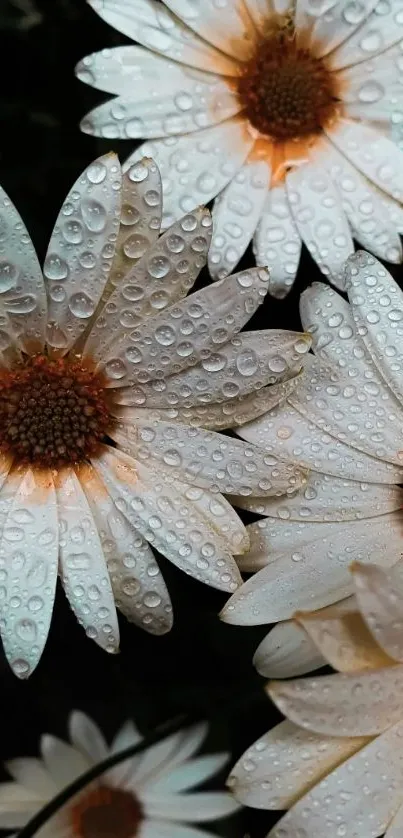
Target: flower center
{"points": [[52, 413], [285, 91], [106, 813]]}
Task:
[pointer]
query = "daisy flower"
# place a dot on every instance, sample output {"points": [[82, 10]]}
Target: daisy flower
{"points": [[336, 761], [281, 109], [106, 373], [345, 423], [150, 795]]}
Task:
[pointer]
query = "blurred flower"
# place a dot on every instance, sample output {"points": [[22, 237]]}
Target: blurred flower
{"points": [[345, 423], [106, 373], [336, 762], [281, 109], [146, 796]]}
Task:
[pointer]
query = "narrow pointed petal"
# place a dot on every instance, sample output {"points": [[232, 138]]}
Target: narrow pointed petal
{"points": [[28, 553], [199, 807], [236, 213], [83, 568], [382, 161], [287, 651], [375, 34], [187, 776], [229, 29], [331, 25], [151, 828], [196, 167], [63, 762], [277, 242], [81, 250], [86, 736], [172, 751], [380, 599], [285, 763], [32, 775], [17, 805], [356, 704]]}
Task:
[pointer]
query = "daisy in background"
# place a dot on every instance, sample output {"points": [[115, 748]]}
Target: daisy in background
{"points": [[336, 761], [283, 110], [344, 422], [106, 374], [150, 795]]}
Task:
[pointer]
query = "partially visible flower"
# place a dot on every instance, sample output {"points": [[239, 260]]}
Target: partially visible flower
{"points": [[336, 762], [106, 374], [147, 796], [282, 109], [345, 423]]}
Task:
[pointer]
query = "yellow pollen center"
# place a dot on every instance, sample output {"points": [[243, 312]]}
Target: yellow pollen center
{"points": [[106, 813], [52, 413], [285, 91]]}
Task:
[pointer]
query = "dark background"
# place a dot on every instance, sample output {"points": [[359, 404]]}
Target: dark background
{"points": [[203, 667]]}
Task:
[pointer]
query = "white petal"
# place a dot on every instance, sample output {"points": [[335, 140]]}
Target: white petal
{"points": [[235, 216], [356, 704], [285, 432], [396, 826], [196, 167], [83, 568], [128, 735], [228, 26], [377, 307], [155, 508], [137, 582], [198, 807], [22, 289], [286, 652], [285, 763], [277, 242], [28, 553], [311, 570], [377, 157], [157, 759], [383, 27], [260, 11], [33, 776], [187, 332], [332, 23], [17, 805], [81, 250], [150, 828], [380, 599], [86, 736], [154, 284], [152, 25], [63, 762], [187, 776], [320, 219]]}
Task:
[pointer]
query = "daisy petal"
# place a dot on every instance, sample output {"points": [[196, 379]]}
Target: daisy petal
{"points": [[196, 167], [342, 637], [228, 28], [81, 250], [199, 807], [153, 26], [288, 433], [320, 219], [156, 282], [158, 349], [380, 599], [86, 736], [356, 704], [331, 803], [33, 776], [313, 572], [285, 763], [156, 510], [138, 586], [189, 775], [235, 215], [395, 828], [261, 10], [17, 805], [277, 242], [63, 762], [286, 652], [29, 546], [83, 568], [377, 306], [381, 161], [206, 459], [381, 29], [22, 289], [150, 828], [334, 24], [171, 751]]}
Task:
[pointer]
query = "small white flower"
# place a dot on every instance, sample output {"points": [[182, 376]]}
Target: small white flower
{"points": [[150, 795], [284, 110], [344, 422], [106, 374]]}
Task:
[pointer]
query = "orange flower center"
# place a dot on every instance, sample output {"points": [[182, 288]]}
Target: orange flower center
{"points": [[106, 813], [52, 413], [285, 91]]}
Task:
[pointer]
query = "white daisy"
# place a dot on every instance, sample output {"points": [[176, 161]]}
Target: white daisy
{"points": [[336, 761], [345, 423], [147, 796], [283, 110], [106, 372]]}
